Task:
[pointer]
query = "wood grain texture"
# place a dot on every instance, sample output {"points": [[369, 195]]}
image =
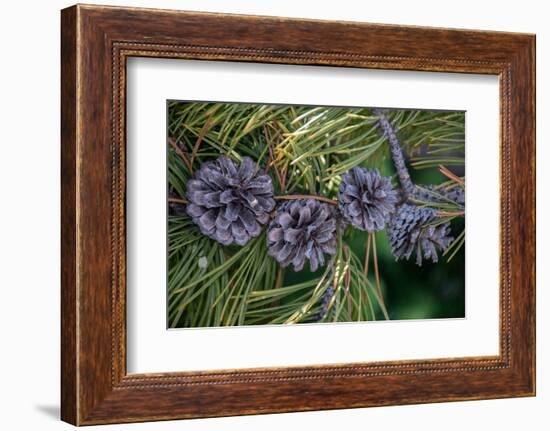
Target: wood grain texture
{"points": [[69, 397], [96, 41]]}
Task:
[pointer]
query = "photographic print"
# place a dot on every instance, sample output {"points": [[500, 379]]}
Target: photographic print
{"points": [[286, 214], [280, 214]]}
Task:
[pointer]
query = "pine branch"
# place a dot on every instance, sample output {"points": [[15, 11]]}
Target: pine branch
{"points": [[396, 153], [299, 196], [305, 150]]}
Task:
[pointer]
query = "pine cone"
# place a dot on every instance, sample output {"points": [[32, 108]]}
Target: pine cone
{"points": [[432, 193], [366, 199], [396, 151], [409, 231], [456, 194], [230, 203], [302, 229]]}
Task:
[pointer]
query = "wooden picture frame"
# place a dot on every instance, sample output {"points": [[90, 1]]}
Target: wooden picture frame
{"points": [[95, 43]]}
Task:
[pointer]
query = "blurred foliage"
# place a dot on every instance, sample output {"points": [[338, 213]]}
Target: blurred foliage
{"points": [[305, 149]]}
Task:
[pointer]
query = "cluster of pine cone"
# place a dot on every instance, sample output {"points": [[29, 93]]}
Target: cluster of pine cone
{"points": [[231, 203]]}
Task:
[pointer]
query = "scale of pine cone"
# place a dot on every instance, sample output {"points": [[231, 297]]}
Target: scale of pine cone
{"points": [[412, 230], [228, 202]]}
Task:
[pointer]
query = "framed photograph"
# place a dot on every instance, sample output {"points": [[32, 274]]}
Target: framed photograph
{"points": [[266, 215]]}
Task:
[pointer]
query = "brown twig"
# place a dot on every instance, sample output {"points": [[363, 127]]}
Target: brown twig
{"points": [[279, 278], [376, 272], [203, 132], [347, 281], [450, 213], [179, 152], [284, 169], [450, 175], [367, 255], [178, 201], [296, 197], [281, 174], [278, 285], [271, 162]]}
